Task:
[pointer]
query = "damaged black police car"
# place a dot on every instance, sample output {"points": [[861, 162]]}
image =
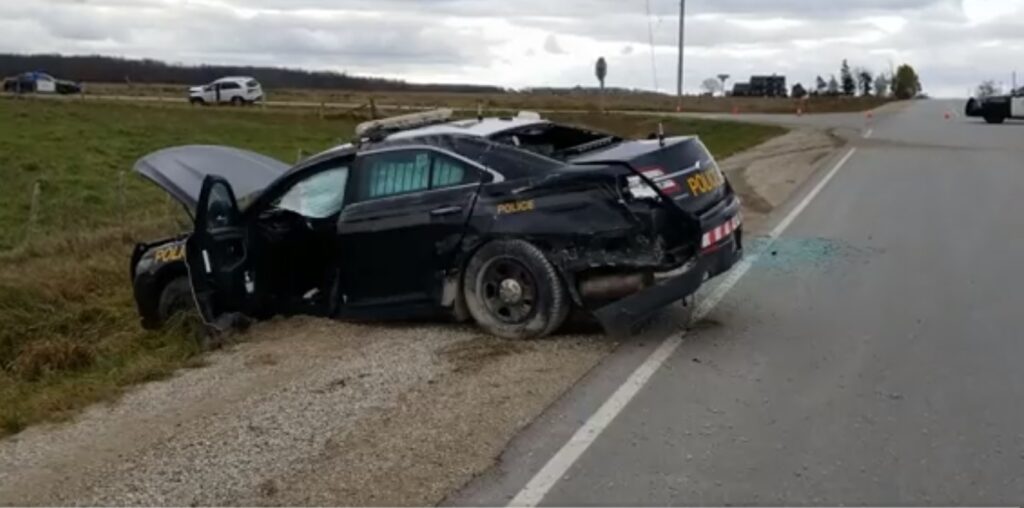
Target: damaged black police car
{"points": [[510, 222]]}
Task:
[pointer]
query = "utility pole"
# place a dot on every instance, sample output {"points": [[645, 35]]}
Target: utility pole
{"points": [[682, 41]]}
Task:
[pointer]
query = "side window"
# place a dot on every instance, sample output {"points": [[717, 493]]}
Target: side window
{"points": [[400, 172], [317, 197], [229, 85], [450, 172], [220, 208], [395, 173]]}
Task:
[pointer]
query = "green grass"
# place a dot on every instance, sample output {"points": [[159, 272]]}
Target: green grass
{"points": [[721, 137], [69, 333]]}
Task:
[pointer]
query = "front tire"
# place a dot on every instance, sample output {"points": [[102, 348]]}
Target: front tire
{"points": [[237, 101], [514, 292], [175, 298]]}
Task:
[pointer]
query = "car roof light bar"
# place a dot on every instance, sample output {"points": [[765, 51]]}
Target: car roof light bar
{"points": [[404, 122]]}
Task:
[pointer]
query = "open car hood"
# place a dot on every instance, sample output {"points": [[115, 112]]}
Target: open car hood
{"points": [[180, 171]]}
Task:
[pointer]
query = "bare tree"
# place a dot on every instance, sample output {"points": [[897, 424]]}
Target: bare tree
{"points": [[710, 86], [987, 88], [882, 85], [866, 81]]}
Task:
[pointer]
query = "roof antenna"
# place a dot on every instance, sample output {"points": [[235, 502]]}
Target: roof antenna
{"points": [[661, 133]]}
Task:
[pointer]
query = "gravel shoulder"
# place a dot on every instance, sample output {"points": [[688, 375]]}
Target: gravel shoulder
{"points": [[305, 412], [767, 175], [317, 412]]}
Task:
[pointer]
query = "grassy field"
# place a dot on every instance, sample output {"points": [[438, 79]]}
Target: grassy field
{"points": [[580, 101], [70, 334]]}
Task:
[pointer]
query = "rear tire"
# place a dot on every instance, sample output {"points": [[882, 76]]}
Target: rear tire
{"points": [[175, 298], [514, 292], [995, 119]]}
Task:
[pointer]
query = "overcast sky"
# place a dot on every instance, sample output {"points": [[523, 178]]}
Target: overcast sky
{"points": [[954, 44]]}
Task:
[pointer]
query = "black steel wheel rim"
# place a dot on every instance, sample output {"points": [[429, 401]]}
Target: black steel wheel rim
{"points": [[508, 290]]}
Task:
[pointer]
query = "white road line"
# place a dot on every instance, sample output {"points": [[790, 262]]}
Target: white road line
{"points": [[549, 475], [868, 133]]}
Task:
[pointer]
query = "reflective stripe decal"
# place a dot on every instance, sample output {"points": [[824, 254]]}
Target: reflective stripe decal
{"points": [[722, 232]]}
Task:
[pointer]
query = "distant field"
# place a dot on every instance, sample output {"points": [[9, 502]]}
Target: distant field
{"points": [[530, 101], [69, 333]]}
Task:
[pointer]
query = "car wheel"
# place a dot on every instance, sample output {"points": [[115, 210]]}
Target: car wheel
{"points": [[514, 292], [196, 101], [971, 108], [176, 297], [995, 118], [237, 101]]}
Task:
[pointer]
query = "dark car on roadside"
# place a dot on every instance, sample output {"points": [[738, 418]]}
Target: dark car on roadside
{"points": [[997, 108], [511, 222], [40, 82]]}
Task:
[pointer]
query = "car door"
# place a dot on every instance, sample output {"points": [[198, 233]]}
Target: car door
{"points": [[1017, 105], [217, 252], [405, 220]]}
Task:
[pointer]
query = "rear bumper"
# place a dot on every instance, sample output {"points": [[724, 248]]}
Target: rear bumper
{"points": [[620, 317]]}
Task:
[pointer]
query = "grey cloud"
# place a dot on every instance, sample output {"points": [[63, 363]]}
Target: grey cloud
{"points": [[551, 45], [416, 37]]}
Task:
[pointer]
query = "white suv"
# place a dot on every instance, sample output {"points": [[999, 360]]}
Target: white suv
{"points": [[233, 90]]}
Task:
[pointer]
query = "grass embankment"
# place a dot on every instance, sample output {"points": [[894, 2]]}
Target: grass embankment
{"points": [[541, 100], [69, 333]]}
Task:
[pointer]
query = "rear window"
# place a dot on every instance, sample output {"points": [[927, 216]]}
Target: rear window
{"points": [[556, 141]]}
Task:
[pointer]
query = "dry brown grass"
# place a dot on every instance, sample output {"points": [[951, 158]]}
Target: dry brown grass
{"points": [[543, 101]]}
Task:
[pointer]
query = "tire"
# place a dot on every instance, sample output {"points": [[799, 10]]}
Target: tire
{"points": [[237, 101], [995, 119], [534, 305], [196, 101], [972, 107], [175, 297]]}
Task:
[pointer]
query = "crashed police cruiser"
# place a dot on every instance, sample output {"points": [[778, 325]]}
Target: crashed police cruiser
{"points": [[997, 108], [511, 222]]}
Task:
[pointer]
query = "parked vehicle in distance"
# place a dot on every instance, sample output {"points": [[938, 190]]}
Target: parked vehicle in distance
{"points": [[510, 222], [40, 82], [235, 90], [997, 108]]}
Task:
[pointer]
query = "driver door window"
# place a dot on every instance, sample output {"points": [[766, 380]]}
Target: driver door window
{"points": [[318, 196]]}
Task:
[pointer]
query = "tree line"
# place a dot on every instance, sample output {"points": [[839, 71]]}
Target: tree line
{"points": [[105, 69], [903, 83]]}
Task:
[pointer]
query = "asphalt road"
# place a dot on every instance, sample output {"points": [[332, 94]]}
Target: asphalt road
{"points": [[871, 356]]}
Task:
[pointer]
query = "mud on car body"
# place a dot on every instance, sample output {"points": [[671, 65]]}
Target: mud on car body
{"points": [[510, 222]]}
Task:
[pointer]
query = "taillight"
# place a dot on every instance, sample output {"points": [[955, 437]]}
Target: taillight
{"points": [[639, 189]]}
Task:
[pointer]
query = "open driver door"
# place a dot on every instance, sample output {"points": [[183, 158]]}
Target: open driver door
{"points": [[217, 255]]}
